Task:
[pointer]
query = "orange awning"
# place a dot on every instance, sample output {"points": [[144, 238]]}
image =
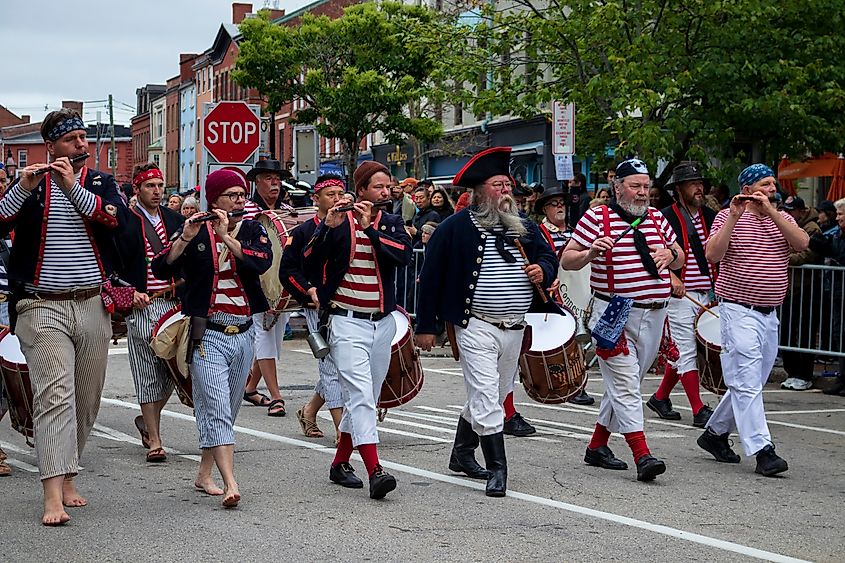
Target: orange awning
{"points": [[837, 186], [787, 185], [824, 165]]}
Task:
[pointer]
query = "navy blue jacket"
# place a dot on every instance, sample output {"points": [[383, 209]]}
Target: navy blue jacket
{"points": [[330, 252], [292, 273], [131, 244], [453, 260], [196, 263]]}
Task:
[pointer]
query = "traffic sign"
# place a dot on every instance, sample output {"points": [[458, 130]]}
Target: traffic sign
{"points": [[563, 128], [231, 132]]}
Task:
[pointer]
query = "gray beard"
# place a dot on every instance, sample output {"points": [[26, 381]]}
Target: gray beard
{"points": [[504, 213], [633, 209]]}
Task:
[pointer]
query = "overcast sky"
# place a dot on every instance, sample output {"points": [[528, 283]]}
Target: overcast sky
{"points": [[53, 50]]}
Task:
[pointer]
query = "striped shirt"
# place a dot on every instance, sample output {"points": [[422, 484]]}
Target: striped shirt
{"points": [[252, 210], [229, 296], [629, 276], [153, 283], [503, 290], [360, 289], [694, 280], [555, 235], [755, 267], [4, 276]]}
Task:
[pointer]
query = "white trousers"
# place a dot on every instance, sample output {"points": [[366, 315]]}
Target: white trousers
{"points": [[621, 409], [682, 314], [749, 347], [361, 351], [489, 358], [328, 386], [268, 343]]}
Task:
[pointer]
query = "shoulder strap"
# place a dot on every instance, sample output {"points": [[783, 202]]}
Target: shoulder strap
{"points": [[609, 256], [151, 235], [695, 242]]}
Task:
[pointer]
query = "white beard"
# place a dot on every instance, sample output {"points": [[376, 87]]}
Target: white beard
{"points": [[634, 209], [505, 213]]}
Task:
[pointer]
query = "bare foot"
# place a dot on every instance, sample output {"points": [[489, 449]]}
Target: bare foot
{"points": [[232, 497], [54, 514], [207, 486], [70, 496]]}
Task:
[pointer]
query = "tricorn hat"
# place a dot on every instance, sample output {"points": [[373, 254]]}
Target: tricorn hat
{"points": [[268, 165], [552, 191], [685, 172], [495, 161]]}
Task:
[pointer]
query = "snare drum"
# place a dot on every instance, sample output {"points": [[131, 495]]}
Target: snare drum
{"points": [[553, 369], [405, 375], [17, 384], [708, 341], [176, 365], [278, 223]]}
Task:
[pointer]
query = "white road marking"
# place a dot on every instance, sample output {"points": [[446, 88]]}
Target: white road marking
{"points": [[118, 351], [117, 435], [804, 427], [812, 411], [21, 465], [13, 448], [327, 416], [573, 508]]}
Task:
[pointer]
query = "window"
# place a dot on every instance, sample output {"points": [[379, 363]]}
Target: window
{"points": [[113, 158], [157, 160], [22, 159]]}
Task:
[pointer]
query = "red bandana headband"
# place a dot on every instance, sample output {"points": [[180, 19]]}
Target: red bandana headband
{"points": [[146, 175], [330, 183]]}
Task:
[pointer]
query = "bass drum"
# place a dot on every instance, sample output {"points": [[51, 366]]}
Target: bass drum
{"points": [[405, 374], [708, 340], [279, 223], [553, 369], [176, 365]]}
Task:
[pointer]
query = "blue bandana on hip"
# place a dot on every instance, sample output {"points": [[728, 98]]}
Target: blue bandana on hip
{"points": [[65, 127], [754, 173]]}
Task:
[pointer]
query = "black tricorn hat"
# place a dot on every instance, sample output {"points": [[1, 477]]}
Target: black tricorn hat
{"points": [[268, 165], [495, 161], [552, 191], [684, 172]]}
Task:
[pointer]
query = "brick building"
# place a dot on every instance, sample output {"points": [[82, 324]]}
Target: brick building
{"points": [[141, 127], [171, 132]]}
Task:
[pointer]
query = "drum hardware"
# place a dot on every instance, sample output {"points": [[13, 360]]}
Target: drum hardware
{"points": [[553, 369], [319, 346]]}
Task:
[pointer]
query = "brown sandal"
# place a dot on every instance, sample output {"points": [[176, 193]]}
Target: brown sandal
{"points": [[157, 455], [309, 428], [5, 469]]}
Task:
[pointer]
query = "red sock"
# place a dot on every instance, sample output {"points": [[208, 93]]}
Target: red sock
{"points": [[369, 453], [690, 382], [600, 437], [344, 449], [670, 379], [508, 406], [636, 441]]}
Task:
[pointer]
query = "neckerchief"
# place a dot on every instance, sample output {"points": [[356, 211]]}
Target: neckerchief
{"points": [[640, 242]]}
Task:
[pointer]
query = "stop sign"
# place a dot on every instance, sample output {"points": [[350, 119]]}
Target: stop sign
{"points": [[231, 132]]}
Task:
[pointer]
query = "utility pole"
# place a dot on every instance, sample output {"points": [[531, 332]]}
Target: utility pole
{"points": [[99, 143], [111, 126]]}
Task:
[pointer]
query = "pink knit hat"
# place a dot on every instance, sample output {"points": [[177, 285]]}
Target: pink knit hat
{"points": [[221, 180]]}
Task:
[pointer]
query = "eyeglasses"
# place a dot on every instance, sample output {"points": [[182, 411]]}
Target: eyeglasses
{"points": [[235, 196], [556, 203], [500, 185]]}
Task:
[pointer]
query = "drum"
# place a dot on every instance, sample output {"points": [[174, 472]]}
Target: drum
{"points": [[708, 341], [405, 375], [176, 365], [553, 368], [17, 384], [278, 223]]}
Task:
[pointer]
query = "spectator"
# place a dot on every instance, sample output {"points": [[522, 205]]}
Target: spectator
{"points": [[442, 203], [402, 203], [659, 198], [463, 201], [427, 184], [827, 217], [717, 198], [602, 197], [189, 206], [409, 185], [579, 198], [174, 202], [425, 213]]}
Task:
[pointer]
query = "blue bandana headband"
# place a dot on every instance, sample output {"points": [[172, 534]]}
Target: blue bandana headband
{"points": [[65, 127], [630, 167], [754, 173]]}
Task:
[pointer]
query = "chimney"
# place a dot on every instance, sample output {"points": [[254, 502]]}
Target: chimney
{"points": [[240, 11], [276, 14], [25, 118], [70, 104]]}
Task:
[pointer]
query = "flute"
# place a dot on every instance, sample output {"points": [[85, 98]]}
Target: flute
{"points": [[212, 216], [633, 225], [73, 160], [383, 203]]}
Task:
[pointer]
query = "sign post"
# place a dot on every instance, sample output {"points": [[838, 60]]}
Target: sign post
{"points": [[231, 136], [563, 128]]}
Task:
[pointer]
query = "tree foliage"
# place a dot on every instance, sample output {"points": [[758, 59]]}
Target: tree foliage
{"points": [[357, 74]]}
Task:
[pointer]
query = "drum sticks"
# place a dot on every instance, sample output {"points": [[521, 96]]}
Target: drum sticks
{"points": [[543, 295], [687, 295]]}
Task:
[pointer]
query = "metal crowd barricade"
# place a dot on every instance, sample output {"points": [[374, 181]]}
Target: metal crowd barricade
{"points": [[406, 283], [811, 315]]}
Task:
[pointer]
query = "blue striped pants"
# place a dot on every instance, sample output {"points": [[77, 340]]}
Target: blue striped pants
{"points": [[328, 386], [219, 372]]}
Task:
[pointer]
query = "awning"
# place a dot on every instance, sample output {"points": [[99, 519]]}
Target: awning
{"points": [[824, 165], [527, 148]]}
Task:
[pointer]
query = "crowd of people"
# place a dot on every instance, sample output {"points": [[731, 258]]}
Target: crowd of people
{"points": [[81, 252]]}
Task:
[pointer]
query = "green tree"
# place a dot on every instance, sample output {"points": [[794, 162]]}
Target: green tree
{"points": [[667, 79], [357, 74]]}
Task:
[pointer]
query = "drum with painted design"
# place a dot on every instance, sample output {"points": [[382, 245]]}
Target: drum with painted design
{"points": [[405, 374], [553, 368]]}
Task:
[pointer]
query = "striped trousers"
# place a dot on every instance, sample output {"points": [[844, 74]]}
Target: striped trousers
{"points": [[149, 373], [219, 372], [328, 386], [65, 344]]}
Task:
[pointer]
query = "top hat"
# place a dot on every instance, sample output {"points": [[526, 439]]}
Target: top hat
{"points": [[268, 165], [495, 161], [553, 191], [685, 172]]}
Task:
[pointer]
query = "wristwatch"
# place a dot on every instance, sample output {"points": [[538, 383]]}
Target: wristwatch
{"points": [[674, 254]]}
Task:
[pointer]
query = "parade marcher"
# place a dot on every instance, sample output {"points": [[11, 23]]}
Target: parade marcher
{"points": [[221, 261], [269, 326], [143, 233], [631, 285], [359, 252], [691, 221], [475, 278], [302, 284], [63, 222], [751, 241]]}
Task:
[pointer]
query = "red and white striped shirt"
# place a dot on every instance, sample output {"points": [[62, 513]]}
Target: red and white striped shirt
{"points": [[754, 270], [153, 283], [694, 280], [252, 210], [629, 277], [229, 295], [360, 289]]}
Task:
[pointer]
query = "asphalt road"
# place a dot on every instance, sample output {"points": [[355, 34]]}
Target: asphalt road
{"points": [[557, 509]]}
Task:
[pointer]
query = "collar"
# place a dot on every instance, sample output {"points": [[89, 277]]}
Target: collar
{"points": [[153, 219], [551, 226]]}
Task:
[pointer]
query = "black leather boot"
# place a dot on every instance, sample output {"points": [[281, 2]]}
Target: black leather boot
{"points": [[462, 459], [493, 447]]}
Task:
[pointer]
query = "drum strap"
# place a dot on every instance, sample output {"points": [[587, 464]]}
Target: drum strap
{"points": [[151, 235], [609, 254], [692, 241]]}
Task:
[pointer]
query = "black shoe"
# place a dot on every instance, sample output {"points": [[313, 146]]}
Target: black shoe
{"points": [[518, 426], [663, 408], [837, 389], [769, 463], [344, 475], [718, 446], [381, 483], [700, 419], [582, 398], [493, 447], [649, 467], [603, 457], [462, 459]]}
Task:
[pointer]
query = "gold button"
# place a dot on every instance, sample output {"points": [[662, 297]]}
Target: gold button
{"points": [[466, 311], [231, 329], [480, 248]]}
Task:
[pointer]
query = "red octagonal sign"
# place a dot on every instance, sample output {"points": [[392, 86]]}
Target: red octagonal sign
{"points": [[231, 132]]}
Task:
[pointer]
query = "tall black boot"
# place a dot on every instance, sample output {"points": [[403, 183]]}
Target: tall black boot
{"points": [[493, 447], [462, 459]]}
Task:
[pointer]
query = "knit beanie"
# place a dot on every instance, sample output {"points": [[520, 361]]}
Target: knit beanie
{"points": [[365, 171], [219, 181]]}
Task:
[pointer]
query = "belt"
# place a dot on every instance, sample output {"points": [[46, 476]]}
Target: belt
{"points": [[501, 325], [655, 306], [230, 329], [765, 309], [358, 314], [72, 295]]}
